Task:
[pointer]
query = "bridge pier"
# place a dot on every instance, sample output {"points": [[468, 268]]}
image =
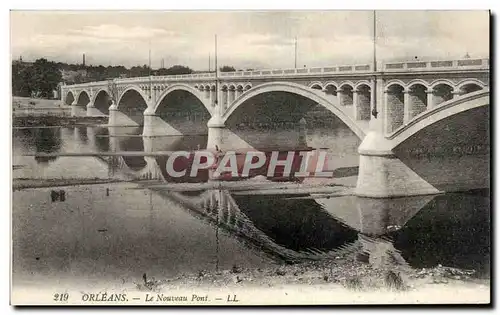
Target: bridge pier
{"points": [[92, 111], [383, 175], [154, 126], [117, 118], [77, 110], [217, 133]]}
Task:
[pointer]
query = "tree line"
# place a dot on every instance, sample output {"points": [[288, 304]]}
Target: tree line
{"points": [[42, 77]]}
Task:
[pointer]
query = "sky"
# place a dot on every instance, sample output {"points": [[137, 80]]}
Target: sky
{"points": [[247, 39]]}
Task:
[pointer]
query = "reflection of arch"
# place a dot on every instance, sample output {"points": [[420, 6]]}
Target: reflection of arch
{"points": [[69, 99], [436, 114], [298, 90], [181, 87]]}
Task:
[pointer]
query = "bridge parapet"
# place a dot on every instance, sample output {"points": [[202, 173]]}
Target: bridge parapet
{"points": [[437, 65]]}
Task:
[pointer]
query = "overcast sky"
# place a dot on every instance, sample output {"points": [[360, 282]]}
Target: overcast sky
{"points": [[248, 39]]}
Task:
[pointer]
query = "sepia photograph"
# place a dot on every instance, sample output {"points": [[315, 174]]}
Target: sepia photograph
{"points": [[250, 157]]}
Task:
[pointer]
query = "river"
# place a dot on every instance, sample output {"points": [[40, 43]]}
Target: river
{"points": [[113, 233]]}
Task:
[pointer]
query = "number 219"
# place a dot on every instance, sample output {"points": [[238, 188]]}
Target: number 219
{"points": [[61, 297]]}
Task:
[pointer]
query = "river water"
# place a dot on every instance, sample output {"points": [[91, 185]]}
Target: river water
{"points": [[113, 233]]}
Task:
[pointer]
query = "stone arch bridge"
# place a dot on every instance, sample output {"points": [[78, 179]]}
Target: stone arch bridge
{"points": [[402, 112]]}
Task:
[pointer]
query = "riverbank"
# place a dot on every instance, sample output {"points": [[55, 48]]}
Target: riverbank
{"points": [[341, 280], [49, 120], [25, 183], [34, 112]]}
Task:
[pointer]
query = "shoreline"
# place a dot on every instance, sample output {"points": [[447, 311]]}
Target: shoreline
{"points": [[48, 120], [346, 275], [339, 281]]}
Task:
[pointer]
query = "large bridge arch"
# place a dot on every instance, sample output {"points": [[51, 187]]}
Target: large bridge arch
{"points": [[132, 104], [449, 145], [304, 91], [131, 88], [181, 87], [180, 110], [446, 109], [102, 101]]}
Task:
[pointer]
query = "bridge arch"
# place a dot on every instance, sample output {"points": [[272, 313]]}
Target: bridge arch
{"points": [[442, 91], [132, 103], [331, 88], [316, 85], [363, 91], [395, 105], [331, 84], [419, 82], [442, 82], [294, 88], [131, 88], [417, 97], [346, 97], [470, 85], [102, 101], [446, 109], [69, 98], [346, 83], [394, 82], [186, 88], [362, 83], [83, 98]]}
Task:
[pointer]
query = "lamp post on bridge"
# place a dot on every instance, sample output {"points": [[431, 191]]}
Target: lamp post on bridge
{"points": [[374, 89], [295, 52]]}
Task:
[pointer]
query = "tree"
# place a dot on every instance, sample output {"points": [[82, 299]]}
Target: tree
{"points": [[46, 77], [227, 69], [22, 83], [178, 69], [138, 71]]}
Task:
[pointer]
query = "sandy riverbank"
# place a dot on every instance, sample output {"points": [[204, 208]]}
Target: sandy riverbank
{"points": [[336, 281]]}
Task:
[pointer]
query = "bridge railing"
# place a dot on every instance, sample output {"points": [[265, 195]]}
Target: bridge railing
{"points": [[437, 65], [408, 66], [299, 71]]}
